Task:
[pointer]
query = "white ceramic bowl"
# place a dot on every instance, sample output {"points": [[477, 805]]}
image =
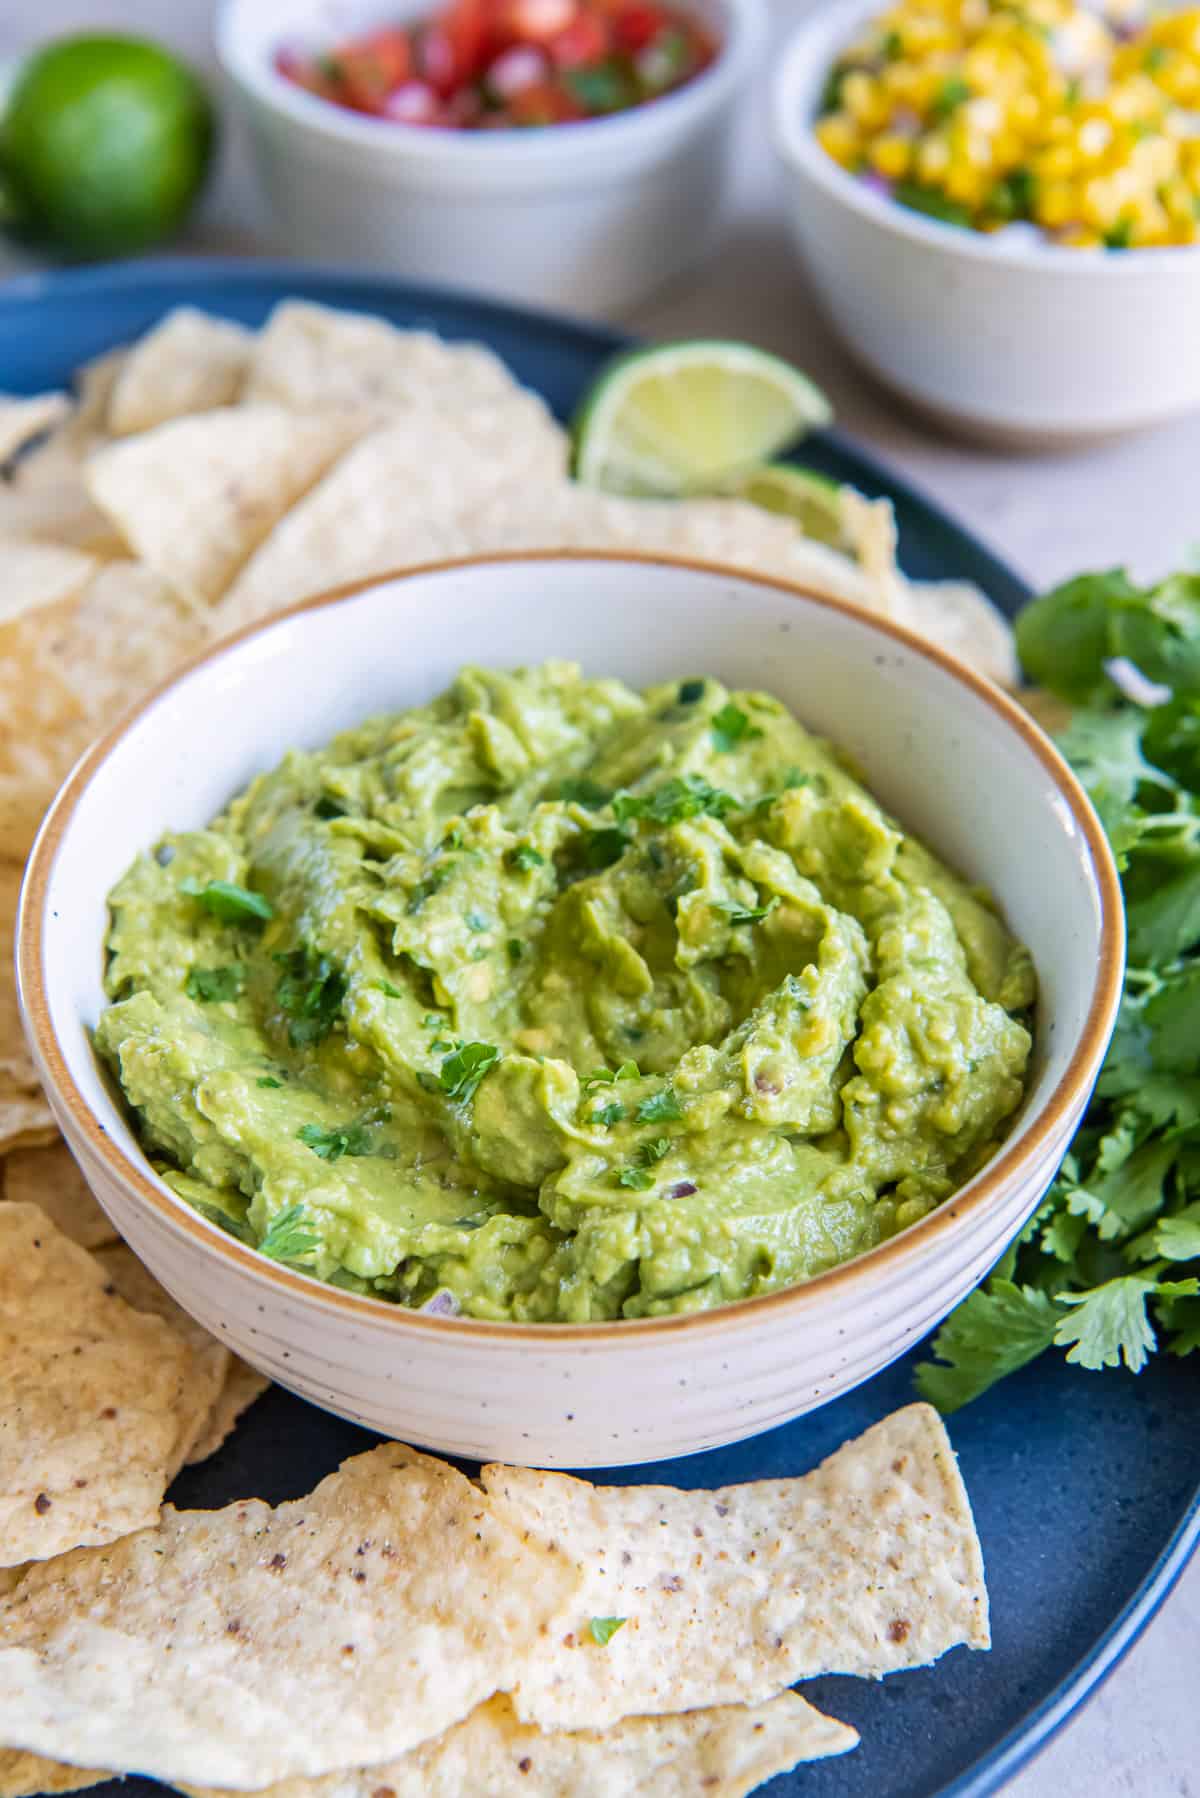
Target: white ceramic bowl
{"points": [[1010, 340], [955, 759], [589, 216]]}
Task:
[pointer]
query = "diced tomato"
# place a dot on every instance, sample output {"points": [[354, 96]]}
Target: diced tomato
{"points": [[584, 41], [546, 104], [483, 64], [637, 25]]}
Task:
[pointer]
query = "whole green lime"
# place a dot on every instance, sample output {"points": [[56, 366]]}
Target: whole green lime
{"points": [[105, 142]]}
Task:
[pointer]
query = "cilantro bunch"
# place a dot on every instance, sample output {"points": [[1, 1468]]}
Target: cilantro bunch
{"points": [[1109, 1266]]}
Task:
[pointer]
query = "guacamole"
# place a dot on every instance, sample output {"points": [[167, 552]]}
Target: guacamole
{"points": [[553, 1000]]}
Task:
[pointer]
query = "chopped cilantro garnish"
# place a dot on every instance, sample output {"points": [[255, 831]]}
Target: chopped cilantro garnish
{"points": [[604, 1629], [463, 1070], [682, 797], [441, 1046], [515, 948], [578, 790], [691, 691], [601, 848], [660, 1108], [637, 1179], [226, 900], [331, 1145], [310, 993], [453, 839], [731, 726], [433, 1020], [432, 883], [287, 1239], [628, 1070], [932, 202], [212, 986], [651, 1153], [523, 856], [748, 914], [269, 1080], [328, 808], [609, 1114], [385, 986]]}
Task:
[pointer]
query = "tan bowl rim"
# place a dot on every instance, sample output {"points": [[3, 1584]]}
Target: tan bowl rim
{"points": [[907, 1246]]}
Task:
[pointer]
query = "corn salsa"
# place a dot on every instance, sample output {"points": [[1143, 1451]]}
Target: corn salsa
{"points": [[479, 65], [1081, 122]]}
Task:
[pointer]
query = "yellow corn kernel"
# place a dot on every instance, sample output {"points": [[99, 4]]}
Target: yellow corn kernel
{"points": [[891, 155], [1057, 203], [840, 137], [865, 101], [933, 158]]}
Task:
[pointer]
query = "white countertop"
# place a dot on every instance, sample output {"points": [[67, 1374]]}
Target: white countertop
{"points": [[1135, 502]]}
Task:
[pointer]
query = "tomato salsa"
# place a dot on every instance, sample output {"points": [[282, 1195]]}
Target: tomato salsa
{"points": [[479, 65]]}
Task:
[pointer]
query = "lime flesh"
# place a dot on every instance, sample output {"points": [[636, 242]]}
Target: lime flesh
{"points": [[104, 145], [689, 417]]}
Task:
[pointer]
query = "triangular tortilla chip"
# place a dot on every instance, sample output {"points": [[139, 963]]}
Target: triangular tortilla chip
{"points": [[91, 1398], [196, 496], [34, 575], [188, 363], [208, 1368], [723, 1753], [25, 1775], [242, 1646], [866, 1566], [21, 420], [25, 1117], [51, 1178], [310, 357], [243, 1384]]}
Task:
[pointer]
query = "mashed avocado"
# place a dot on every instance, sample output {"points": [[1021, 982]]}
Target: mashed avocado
{"points": [[557, 1001]]}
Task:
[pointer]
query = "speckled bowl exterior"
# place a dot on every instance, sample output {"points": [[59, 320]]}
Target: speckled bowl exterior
{"points": [[957, 762]]}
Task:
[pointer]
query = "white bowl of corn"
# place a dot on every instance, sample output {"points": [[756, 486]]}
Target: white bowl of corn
{"points": [[999, 207]]}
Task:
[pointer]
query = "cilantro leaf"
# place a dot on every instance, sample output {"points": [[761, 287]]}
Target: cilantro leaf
{"points": [[659, 1108], [608, 1114], [601, 848], [683, 796], [995, 1331], [392, 992], [730, 727], [637, 1179], [309, 993], [747, 914], [463, 1070], [628, 1070], [213, 986], [1178, 1238], [1109, 1324], [603, 1629], [1065, 638], [579, 790], [268, 1080], [691, 691], [332, 1144], [226, 900], [287, 1239], [523, 856]]}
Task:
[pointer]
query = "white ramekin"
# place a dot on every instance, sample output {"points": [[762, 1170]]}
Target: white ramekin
{"points": [[1020, 342], [589, 216], [944, 750]]}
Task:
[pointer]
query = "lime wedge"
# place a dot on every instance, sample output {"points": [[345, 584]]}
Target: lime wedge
{"points": [[687, 417], [812, 500]]}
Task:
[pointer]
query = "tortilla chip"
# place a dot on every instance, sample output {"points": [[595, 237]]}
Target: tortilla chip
{"points": [[90, 1401], [353, 527], [311, 358], [93, 385], [50, 1178], [25, 1117], [188, 363], [70, 670], [961, 619], [208, 1368], [724, 1753], [24, 1775], [243, 1384], [196, 496], [21, 420], [868, 1565], [242, 1646], [34, 575]]}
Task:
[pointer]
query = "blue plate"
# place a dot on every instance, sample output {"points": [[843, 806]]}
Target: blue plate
{"points": [[1086, 1488]]}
